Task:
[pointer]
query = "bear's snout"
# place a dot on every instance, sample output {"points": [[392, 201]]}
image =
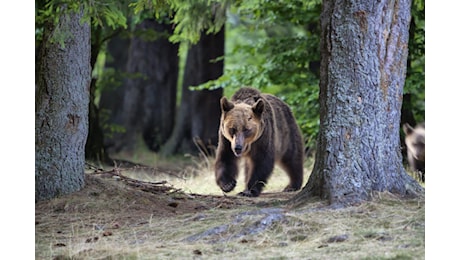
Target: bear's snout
{"points": [[238, 150], [238, 144]]}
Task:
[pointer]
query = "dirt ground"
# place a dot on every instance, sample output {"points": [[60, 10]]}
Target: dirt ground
{"points": [[125, 201], [108, 204], [116, 218]]}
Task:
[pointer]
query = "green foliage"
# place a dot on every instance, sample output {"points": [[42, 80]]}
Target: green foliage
{"points": [[190, 17], [100, 14], [109, 13], [274, 46], [49, 12], [415, 78]]}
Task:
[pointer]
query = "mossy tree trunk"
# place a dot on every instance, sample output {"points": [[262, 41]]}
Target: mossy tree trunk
{"points": [[61, 106], [364, 46]]}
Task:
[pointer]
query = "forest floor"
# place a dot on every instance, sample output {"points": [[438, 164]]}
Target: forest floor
{"points": [[166, 213]]}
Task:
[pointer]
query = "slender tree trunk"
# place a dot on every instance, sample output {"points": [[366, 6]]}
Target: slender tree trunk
{"points": [[199, 112], [407, 115], [94, 148], [61, 107], [363, 66], [110, 104]]}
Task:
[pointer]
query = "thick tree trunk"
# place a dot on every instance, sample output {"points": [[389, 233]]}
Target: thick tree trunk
{"points": [[150, 93], [61, 112], [199, 112], [363, 66]]}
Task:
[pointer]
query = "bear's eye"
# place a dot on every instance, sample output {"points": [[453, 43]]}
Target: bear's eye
{"points": [[247, 132], [232, 131]]}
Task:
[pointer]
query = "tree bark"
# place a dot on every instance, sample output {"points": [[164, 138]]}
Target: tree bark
{"points": [[363, 66], [150, 93], [61, 107], [199, 112], [160, 102], [94, 148], [110, 104]]}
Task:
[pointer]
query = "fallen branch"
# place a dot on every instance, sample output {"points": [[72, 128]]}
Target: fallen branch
{"points": [[147, 186], [132, 167]]}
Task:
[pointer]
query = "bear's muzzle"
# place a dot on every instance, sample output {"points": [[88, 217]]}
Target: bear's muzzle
{"points": [[238, 150]]}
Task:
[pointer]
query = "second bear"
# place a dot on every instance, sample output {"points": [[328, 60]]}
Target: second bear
{"points": [[415, 142]]}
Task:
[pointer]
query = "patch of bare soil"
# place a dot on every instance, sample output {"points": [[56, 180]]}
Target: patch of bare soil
{"points": [[115, 217], [112, 200], [108, 203]]}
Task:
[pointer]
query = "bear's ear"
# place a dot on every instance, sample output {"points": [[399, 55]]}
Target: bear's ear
{"points": [[407, 129], [258, 107], [226, 105]]}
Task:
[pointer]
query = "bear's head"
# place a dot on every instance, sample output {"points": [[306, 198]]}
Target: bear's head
{"points": [[241, 124], [415, 141]]}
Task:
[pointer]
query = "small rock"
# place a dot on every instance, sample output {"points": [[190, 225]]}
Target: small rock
{"points": [[339, 238], [107, 233], [173, 204]]}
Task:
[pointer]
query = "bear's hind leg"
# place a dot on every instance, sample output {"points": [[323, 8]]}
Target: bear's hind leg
{"points": [[294, 169]]}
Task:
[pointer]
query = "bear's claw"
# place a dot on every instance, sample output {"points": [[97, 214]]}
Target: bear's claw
{"points": [[289, 188], [249, 193], [229, 186]]}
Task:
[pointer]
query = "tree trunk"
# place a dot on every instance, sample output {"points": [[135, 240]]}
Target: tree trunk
{"points": [[110, 104], [61, 107], [160, 92], [363, 66], [407, 114], [150, 93], [199, 112], [94, 148]]}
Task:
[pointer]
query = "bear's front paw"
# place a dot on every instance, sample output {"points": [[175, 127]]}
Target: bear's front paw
{"points": [[289, 188], [228, 186], [249, 193]]}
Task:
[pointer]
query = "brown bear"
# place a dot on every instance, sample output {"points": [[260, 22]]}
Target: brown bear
{"points": [[415, 142], [260, 129]]}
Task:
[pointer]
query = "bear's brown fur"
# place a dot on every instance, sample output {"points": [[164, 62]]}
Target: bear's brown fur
{"points": [[260, 129], [415, 142]]}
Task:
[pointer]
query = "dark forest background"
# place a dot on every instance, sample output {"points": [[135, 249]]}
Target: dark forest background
{"points": [[155, 84]]}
